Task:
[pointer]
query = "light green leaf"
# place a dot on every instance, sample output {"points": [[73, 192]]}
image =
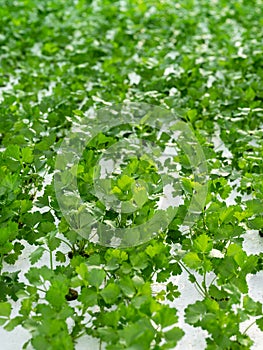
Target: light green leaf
{"points": [[192, 260], [110, 293]]}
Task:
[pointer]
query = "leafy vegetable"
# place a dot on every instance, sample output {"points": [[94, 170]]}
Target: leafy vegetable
{"points": [[60, 61]]}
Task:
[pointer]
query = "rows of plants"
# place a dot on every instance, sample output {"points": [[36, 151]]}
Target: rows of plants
{"points": [[60, 61]]}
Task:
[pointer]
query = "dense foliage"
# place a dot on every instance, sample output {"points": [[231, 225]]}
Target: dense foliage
{"points": [[59, 61]]}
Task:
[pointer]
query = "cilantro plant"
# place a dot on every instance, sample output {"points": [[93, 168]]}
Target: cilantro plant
{"points": [[60, 61]]}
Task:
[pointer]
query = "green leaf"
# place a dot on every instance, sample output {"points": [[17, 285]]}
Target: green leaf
{"points": [[95, 277], [12, 324], [127, 287], [252, 307], [110, 293], [259, 322], [140, 195], [250, 94], [82, 270], [60, 257], [56, 294], [27, 155], [192, 113], [194, 313], [256, 223], [52, 241], [138, 335], [125, 182], [166, 316], [174, 335], [237, 253], [139, 261], [88, 297], [8, 232], [107, 334], [36, 255], [203, 244], [192, 260], [4, 236], [5, 309]]}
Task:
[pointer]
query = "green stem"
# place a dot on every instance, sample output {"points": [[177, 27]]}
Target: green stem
{"points": [[1, 262], [68, 244], [196, 282], [51, 260], [245, 331], [79, 335], [203, 219], [199, 291], [213, 280], [81, 245], [204, 284]]}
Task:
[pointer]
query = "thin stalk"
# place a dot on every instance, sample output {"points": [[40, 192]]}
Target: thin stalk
{"points": [[1, 262], [204, 284], [51, 260], [203, 219], [245, 331], [69, 245], [213, 280], [79, 335], [196, 282], [198, 291]]}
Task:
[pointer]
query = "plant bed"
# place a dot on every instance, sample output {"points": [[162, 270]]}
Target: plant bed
{"points": [[195, 286]]}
